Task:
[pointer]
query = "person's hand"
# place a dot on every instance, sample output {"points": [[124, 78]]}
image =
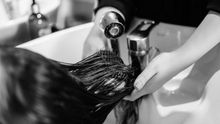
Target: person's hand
{"points": [[161, 69]]}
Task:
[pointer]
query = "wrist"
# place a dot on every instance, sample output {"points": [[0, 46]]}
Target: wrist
{"points": [[180, 61]]}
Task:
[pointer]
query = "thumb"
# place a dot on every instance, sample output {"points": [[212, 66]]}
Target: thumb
{"points": [[144, 77], [134, 95]]}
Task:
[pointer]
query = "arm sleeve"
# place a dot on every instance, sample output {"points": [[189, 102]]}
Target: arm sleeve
{"points": [[126, 7], [214, 5]]}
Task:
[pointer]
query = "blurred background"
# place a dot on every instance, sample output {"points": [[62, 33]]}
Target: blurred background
{"points": [[74, 12], [19, 19]]}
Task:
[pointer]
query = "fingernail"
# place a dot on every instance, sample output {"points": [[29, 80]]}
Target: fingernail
{"points": [[138, 84], [134, 91]]}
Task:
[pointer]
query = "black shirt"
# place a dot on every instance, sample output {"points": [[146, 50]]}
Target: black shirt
{"points": [[181, 12]]}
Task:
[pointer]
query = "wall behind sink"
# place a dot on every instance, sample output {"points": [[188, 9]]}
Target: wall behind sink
{"points": [[15, 31], [75, 12]]}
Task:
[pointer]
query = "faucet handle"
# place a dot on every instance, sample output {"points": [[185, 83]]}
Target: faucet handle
{"points": [[112, 24]]}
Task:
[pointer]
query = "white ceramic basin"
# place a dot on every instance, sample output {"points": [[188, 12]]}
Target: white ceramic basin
{"points": [[15, 31], [64, 46], [189, 98]]}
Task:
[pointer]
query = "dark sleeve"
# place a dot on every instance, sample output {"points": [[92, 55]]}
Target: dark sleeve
{"points": [[126, 7], [214, 5]]}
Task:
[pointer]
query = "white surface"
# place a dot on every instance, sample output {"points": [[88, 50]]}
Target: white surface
{"points": [[64, 46], [3, 13]]}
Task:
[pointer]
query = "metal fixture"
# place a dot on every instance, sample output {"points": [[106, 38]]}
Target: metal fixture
{"points": [[140, 51], [113, 27]]}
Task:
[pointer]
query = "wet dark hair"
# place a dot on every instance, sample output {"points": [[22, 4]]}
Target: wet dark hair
{"points": [[35, 90]]}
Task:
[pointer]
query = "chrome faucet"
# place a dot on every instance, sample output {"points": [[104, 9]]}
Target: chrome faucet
{"points": [[113, 27], [140, 51]]}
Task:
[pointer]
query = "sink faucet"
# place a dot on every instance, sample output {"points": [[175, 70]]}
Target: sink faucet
{"points": [[140, 51], [113, 27]]}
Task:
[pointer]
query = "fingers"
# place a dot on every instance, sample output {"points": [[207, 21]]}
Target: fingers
{"points": [[134, 95], [140, 82], [144, 77]]}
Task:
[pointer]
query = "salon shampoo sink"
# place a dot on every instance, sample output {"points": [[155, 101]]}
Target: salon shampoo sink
{"points": [[64, 46], [191, 97]]}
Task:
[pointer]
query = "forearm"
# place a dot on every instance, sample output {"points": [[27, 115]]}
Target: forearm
{"points": [[167, 65], [204, 38]]}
